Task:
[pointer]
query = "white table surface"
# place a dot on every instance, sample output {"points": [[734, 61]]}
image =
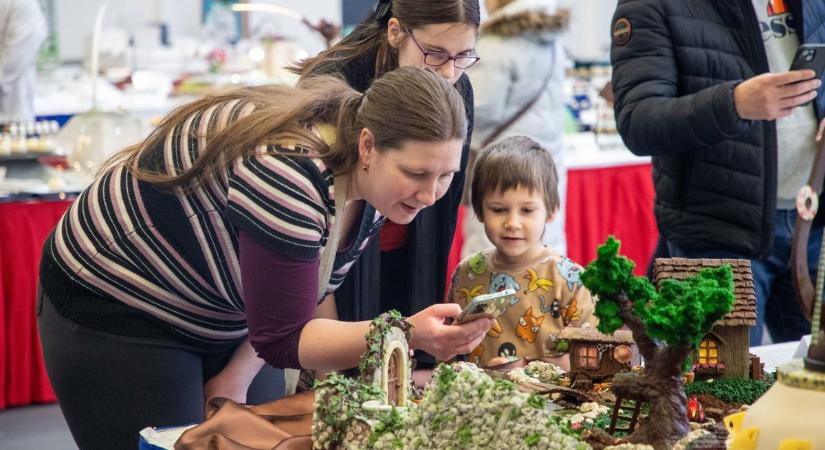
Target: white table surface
{"points": [[592, 151], [775, 355]]}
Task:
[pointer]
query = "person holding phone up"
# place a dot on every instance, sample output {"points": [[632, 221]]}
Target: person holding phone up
{"points": [[705, 88]]}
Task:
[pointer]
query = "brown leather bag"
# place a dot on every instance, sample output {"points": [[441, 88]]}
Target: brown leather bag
{"points": [[284, 424]]}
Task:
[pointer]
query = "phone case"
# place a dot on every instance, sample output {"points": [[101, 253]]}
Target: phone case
{"points": [[488, 305], [810, 56]]}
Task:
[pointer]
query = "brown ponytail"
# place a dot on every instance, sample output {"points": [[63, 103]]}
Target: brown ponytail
{"points": [[408, 104]]}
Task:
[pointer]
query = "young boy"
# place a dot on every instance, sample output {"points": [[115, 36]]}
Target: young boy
{"points": [[514, 194]]}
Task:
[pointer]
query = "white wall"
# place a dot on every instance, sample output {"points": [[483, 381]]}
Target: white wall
{"points": [[75, 19]]}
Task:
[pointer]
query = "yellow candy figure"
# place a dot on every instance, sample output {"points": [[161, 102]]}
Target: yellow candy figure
{"points": [[790, 416]]}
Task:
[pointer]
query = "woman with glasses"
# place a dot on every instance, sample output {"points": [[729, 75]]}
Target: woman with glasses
{"points": [[406, 268]]}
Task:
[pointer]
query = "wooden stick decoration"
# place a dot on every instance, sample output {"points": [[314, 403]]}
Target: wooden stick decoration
{"points": [[807, 204]]}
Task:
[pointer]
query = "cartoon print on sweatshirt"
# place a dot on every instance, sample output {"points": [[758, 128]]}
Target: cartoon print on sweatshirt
{"points": [[554, 308], [507, 350], [571, 312], [529, 326], [496, 330], [477, 354], [477, 264], [535, 282], [570, 271], [470, 293], [502, 281]]}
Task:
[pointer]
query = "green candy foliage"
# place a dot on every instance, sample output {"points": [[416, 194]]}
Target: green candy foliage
{"points": [[684, 311], [679, 314], [730, 390]]}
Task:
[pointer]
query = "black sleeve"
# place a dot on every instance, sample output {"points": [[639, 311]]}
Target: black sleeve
{"points": [[651, 116], [457, 187]]}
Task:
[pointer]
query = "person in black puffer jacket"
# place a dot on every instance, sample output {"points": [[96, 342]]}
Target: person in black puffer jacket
{"points": [[703, 86]]}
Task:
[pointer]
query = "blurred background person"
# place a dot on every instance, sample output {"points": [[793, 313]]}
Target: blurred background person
{"points": [[518, 89], [22, 30]]}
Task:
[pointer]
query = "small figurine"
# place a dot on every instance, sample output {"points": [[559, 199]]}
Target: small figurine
{"points": [[695, 411]]}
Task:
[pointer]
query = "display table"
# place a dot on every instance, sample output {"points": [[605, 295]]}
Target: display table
{"points": [[609, 191], [23, 228]]}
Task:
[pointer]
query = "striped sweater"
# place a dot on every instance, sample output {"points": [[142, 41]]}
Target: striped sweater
{"points": [[174, 254]]}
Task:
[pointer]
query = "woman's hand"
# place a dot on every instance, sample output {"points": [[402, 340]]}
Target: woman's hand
{"points": [[431, 334], [233, 380], [226, 385]]}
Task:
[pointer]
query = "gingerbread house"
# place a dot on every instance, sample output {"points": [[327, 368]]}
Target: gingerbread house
{"points": [[596, 356], [724, 352]]}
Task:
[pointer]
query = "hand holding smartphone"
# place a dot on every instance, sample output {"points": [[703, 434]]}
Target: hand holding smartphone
{"points": [[488, 305], [811, 57]]}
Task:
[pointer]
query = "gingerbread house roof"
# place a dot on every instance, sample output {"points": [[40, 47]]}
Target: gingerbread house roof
{"points": [[744, 305], [593, 335]]}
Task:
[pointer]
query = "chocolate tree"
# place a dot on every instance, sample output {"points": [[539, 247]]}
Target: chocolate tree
{"points": [[667, 326]]}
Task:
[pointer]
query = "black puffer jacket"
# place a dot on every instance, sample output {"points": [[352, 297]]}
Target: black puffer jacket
{"points": [[715, 174]]}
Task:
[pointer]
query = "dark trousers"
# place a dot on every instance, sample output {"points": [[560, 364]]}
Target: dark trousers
{"points": [[110, 387], [777, 307]]}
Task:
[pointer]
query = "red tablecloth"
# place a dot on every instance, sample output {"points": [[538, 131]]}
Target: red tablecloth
{"points": [[602, 201], [23, 228], [612, 200]]}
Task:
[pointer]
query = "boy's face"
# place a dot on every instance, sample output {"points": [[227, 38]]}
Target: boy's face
{"points": [[514, 222]]}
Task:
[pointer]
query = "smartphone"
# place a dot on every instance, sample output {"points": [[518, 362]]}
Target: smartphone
{"points": [[488, 305], [810, 56]]}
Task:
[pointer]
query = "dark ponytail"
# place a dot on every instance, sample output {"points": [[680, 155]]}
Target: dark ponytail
{"points": [[382, 13], [370, 36]]}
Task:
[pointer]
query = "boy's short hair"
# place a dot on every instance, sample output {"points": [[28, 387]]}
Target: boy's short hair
{"points": [[513, 162]]}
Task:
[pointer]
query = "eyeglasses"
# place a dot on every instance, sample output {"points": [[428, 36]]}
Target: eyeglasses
{"points": [[438, 59]]}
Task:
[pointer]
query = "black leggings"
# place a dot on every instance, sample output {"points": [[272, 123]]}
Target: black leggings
{"points": [[110, 387]]}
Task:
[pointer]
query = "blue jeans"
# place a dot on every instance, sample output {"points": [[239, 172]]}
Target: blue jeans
{"points": [[777, 307]]}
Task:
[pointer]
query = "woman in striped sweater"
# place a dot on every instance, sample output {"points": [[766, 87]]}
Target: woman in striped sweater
{"points": [[207, 237]]}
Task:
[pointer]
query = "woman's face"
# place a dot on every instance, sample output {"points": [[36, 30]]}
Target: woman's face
{"points": [[400, 182], [453, 39]]}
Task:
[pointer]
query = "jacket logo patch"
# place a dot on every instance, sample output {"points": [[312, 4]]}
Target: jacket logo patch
{"points": [[621, 31]]}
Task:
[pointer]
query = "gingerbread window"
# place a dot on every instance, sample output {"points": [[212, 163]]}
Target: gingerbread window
{"points": [[708, 352], [587, 357]]}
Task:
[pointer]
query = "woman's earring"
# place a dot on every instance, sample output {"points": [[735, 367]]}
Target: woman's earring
{"points": [[366, 167]]}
